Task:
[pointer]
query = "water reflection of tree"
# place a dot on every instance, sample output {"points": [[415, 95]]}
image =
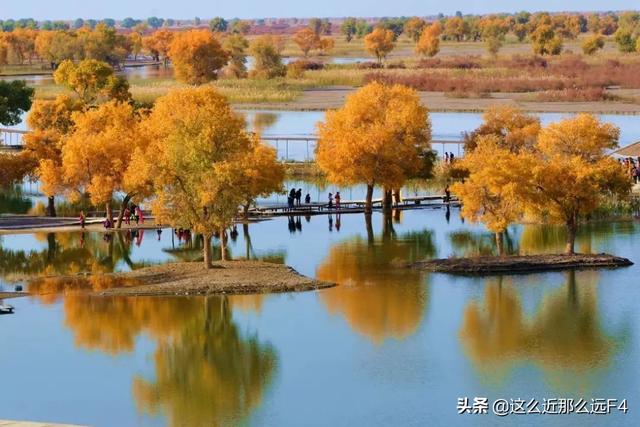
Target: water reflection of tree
{"points": [[537, 238], [206, 372], [563, 335], [377, 295], [477, 243], [68, 253], [263, 120], [13, 201], [549, 238]]}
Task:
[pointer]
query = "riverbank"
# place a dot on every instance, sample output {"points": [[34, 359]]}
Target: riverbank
{"points": [[20, 224], [325, 98], [231, 277], [520, 264], [5, 295]]}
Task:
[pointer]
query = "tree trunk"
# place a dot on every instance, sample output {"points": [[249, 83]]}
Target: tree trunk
{"points": [[223, 244], [123, 206], [387, 200], [245, 211], [51, 207], [500, 243], [571, 237], [387, 226], [109, 213], [247, 240], [368, 206], [369, 225], [207, 251]]}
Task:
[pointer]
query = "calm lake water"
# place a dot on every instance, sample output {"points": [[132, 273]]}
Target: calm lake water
{"points": [[390, 346], [445, 127]]}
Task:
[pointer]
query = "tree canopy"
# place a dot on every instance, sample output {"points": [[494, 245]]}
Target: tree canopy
{"points": [[379, 137]]}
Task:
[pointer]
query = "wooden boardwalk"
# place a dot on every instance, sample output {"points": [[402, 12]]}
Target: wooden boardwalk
{"points": [[350, 206]]}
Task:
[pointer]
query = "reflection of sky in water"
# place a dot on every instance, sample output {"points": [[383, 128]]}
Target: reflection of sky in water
{"points": [[326, 353], [445, 126]]}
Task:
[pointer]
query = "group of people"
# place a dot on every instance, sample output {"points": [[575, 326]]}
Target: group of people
{"points": [[295, 198], [131, 213], [633, 168], [335, 198], [448, 158]]}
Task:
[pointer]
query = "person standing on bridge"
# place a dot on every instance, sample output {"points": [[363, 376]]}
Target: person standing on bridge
{"points": [[299, 196], [307, 199], [338, 200], [292, 197], [330, 200], [82, 219]]}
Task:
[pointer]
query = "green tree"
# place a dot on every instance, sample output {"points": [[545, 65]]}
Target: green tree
{"points": [[218, 24], [349, 28], [15, 100]]}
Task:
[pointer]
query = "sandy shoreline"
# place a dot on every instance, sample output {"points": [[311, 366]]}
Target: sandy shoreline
{"points": [[231, 277], [178, 279]]}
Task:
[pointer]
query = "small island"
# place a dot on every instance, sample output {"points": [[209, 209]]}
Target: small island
{"points": [[520, 264], [231, 277]]}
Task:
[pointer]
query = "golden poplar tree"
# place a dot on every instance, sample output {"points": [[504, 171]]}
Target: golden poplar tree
{"points": [[429, 42], [379, 137], [197, 56], [158, 44], [49, 121], [493, 193], [96, 156], [306, 39], [197, 144], [379, 43], [573, 173], [91, 79]]}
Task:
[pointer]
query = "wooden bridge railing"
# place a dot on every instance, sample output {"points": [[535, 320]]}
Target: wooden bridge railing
{"points": [[11, 139], [288, 147]]}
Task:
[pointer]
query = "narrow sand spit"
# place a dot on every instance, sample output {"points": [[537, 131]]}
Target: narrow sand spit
{"points": [[520, 264]]}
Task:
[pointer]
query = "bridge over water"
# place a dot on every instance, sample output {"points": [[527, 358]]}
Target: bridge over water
{"points": [[288, 147]]}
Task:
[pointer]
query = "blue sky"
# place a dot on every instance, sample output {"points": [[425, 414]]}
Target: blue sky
{"points": [[181, 9]]}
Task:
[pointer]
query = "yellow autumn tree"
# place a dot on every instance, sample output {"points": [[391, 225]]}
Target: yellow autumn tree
{"points": [[261, 174], [572, 172], [379, 137], [326, 45], [414, 27], [306, 39], [91, 79], [14, 167], [197, 144], [158, 45], [514, 129], [236, 45], [493, 193], [379, 43], [49, 121], [96, 156], [267, 59], [429, 42], [197, 56]]}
